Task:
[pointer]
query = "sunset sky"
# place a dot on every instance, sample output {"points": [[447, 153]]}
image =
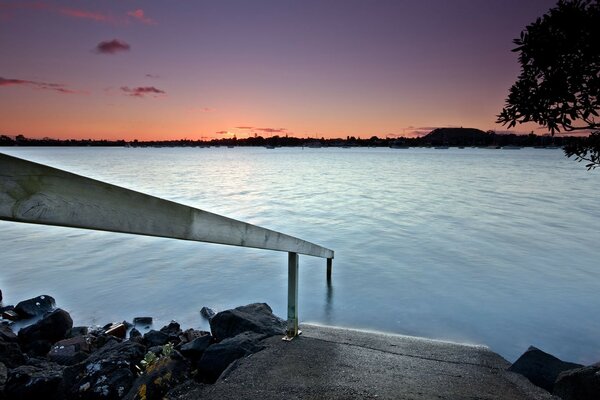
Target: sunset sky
{"points": [[204, 69]]}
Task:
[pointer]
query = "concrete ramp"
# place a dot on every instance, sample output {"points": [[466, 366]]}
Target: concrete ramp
{"points": [[334, 363]]}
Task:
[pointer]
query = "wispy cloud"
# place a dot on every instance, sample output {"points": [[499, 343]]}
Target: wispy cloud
{"points": [[85, 14], [56, 87], [143, 91], [153, 76], [244, 127], [271, 130], [112, 47], [221, 132], [140, 15]]}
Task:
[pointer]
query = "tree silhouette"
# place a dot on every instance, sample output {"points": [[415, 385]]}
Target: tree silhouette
{"points": [[559, 82]]}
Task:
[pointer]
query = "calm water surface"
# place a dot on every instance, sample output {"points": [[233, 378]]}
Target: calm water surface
{"points": [[491, 247]]}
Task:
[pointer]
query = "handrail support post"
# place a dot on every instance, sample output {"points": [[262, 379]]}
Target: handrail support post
{"points": [[329, 266], [292, 312]]}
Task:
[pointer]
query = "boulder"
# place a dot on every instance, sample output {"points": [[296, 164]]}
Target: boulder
{"points": [[53, 327], [173, 330], [11, 354], [257, 317], [0, 295], [142, 321], [3, 377], [70, 351], [541, 368], [106, 374], [216, 358], [196, 347], [579, 384], [159, 378], [207, 313], [36, 306], [7, 334], [78, 331], [134, 333], [10, 314], [155, 338], [118, 330], [33, 382]]}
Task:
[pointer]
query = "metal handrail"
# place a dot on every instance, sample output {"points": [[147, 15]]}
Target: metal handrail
{"points": [[39, 194]]}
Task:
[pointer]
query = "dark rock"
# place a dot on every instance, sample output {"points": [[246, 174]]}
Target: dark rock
{"points": [[106, 374], [11, 354], [159, 378], [207, 313], [38, 348], [42, 381], [128, 325], [3, 377], [118, 330], [0, 295], [34, 307], [53, 327], [134, 333], [156, 350], [541, 368], [173, 330], [191, 334], [7, 334], [155, 338], [70, 351], [216, 358], [196, 347], [104, 340], [142, 321], [78, 331], [10, 315], [257, 317], [579, 384], [6, 308]]}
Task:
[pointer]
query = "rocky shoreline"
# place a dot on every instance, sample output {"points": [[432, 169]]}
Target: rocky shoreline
{"points": [[52, 359]]}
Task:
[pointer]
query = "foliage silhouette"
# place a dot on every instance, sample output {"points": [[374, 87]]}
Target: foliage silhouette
{"points": [[559, 82]]}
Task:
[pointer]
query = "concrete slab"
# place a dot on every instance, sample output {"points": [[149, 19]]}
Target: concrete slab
{"points": [[334, 363]]}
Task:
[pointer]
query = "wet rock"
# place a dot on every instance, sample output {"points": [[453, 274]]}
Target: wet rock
{"points": [[35, 307], [7, 334], [53, 327], [173, 330], [142, 321], [257, 317], [41, 381], [0, 295], [3, 376], [579, 384], [207, 313], [190, 334], [216, 358], [78, 331], [118, 330], [196, 347], [10, 314], [155, 338], [11, 354], [106, 374], [134, 333], [159, 378], [541, 368], [70, 351]]}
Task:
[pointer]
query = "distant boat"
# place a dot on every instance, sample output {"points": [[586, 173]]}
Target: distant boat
{"points": [[269, 147]]}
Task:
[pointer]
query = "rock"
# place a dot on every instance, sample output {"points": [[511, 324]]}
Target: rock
{"points": [[10, 315], [106, 374], [216, 358], [579, 384], [196, 347], [142, 321], [134, 333], [42, 381], [190, 334], [541, 368], [257, 317], [155, 338], [34, 307], [11, 354], [3, 376], [207, 313], [70, 351], [0, 295], [159, 378], [53, 327], [118, 330], [78, 331], [7, 334], [173, 330]]}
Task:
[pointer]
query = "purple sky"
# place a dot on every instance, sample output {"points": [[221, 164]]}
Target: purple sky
{"points": [[157, 69]]}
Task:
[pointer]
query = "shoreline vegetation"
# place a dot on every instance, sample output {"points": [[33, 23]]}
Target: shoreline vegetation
{"points": [[440, 138]]}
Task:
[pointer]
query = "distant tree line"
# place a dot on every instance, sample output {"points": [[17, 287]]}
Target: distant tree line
{"points": [[460, 137]]}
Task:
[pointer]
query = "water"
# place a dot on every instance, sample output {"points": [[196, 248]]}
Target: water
{"points": [[482, 246]]}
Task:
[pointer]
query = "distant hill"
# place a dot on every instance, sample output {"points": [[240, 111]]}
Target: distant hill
{"points": [[457, 136]]}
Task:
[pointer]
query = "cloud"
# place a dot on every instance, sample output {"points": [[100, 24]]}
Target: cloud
{"points": [[84, 14], [112, 47], [153, 76], [221, 132], [56, 87], [142, 91], [244, 127], [272, 130], [141, 16]]}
